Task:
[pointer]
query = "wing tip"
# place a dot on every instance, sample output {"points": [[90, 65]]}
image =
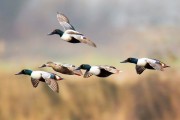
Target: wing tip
{"points": [[59, 13], [92, 44], [139, 70]]}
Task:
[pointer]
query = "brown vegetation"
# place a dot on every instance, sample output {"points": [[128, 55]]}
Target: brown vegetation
{"points": [[151, 97]]}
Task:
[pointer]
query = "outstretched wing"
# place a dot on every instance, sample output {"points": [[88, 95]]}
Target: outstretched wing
{"points": [[111, 69], [156, 64], [79, 36], [34, 82], [139, 69], [84, 39], [64, 21], [52, 84], [87, 41]]}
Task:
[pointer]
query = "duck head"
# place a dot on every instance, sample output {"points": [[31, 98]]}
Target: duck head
{"points": [[130, 60], [56, 31], [24, 72], [84, 67]]}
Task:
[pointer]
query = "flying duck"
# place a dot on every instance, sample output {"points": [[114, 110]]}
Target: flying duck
{"points": [[63, 68], [100, 70], [70, 34], [36, 76], [146, 63]]}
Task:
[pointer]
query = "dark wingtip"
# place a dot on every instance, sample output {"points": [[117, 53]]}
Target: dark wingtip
{"points": [[94, 45]]}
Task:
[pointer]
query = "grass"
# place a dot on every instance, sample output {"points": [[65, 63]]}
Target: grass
{"points": [[151, 96]]}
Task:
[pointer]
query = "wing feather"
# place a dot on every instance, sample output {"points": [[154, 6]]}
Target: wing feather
{"points": [[52, 84], [34, 82], [156, 64], [139, 69], [111, 69], [64, 21]]}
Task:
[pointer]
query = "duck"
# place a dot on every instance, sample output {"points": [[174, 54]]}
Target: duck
{"points": [[98, 70], [63, 68], [49, 78], [70, 34], [146, 63]]}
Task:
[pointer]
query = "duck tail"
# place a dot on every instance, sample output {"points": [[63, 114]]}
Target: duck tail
{"points": [[119, 71], [166, 66]]}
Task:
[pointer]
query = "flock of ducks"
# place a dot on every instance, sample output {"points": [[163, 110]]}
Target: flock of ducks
{"points": [[73, 36]]}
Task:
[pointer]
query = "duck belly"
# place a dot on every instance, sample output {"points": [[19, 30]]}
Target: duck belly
{"points": [[74, 40], [104, 73], [95, 70], [66, 37]]}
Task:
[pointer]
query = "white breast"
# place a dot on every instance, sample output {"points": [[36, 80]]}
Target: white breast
{"points": [[95, 70], [39, 74], [36, 75], [142, 61]]}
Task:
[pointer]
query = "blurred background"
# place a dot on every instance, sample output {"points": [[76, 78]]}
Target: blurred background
{"points": [[120, 29]]}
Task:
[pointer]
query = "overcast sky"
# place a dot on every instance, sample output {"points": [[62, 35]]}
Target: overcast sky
{"points": [[114, 24]]}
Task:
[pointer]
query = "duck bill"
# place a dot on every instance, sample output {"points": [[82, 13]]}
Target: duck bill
{"points": [[78, 68], [125, 61], [44, 65], [18, 73], [78, 72], [50, 33]]}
